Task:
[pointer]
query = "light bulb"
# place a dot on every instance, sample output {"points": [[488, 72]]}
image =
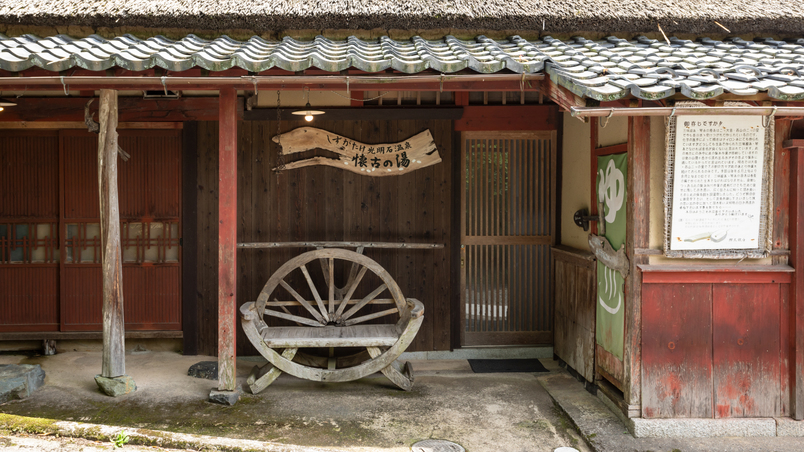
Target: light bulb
{"points": [[1, 108], [308, 117]]}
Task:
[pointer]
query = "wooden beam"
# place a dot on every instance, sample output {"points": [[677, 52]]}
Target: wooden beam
{"points": [[114, 360], [637, 224], [73, 125], [796, 149], [227, 238], [508, 117], [562, 96], [85, 335], [359, 114], [593, 141], [130, 109], [189, 234]]}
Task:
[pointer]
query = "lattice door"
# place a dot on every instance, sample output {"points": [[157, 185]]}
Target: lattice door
{"points": [[507, 229], [50, 275], [149, 187]]}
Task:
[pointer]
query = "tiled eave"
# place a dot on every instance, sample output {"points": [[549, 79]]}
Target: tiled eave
{"points": [[649, 69], [603, 70]]}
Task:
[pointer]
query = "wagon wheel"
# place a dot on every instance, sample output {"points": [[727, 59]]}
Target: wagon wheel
{"points": [[336, 307], [332, 314]]}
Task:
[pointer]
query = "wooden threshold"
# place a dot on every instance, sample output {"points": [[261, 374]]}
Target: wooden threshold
{"points": [[508, 338]]}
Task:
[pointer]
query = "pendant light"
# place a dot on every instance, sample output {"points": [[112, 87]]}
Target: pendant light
{"points": [[308, 111], [6, 103]]}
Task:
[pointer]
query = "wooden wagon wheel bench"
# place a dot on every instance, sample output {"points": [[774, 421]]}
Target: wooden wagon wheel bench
{"points": [[336, 320]]}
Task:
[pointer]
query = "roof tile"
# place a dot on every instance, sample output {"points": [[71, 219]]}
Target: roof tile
{"points": [[600, 69]]}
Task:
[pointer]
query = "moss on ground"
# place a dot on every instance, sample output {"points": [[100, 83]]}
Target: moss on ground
{"points": [[566, 428], [21, 424]]}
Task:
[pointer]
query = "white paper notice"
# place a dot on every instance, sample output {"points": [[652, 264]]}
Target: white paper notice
{"points": [[717, 182]]}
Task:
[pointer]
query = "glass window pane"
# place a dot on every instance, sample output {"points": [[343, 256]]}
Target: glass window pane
{"points": [[131, 236], [172, 252], [17, 253], [83, 239], [45, 235]]}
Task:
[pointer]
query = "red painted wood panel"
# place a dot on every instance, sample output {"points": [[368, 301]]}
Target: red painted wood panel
{"points": [[736, 274], [508, 117], [796, 310], [29, 298], [81, 175], [150, 295], [82, 298], [786, 350], [609, 367], [746, 334], [29, 175], [677, 350], [149, 181]]}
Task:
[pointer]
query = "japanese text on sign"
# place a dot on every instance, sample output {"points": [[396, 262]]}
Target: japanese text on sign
{"points": [[386, 159], [717, 183]]}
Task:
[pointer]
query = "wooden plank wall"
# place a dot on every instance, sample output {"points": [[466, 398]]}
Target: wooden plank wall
{"points": [[713, 347], [322, 203], [575, 288]]}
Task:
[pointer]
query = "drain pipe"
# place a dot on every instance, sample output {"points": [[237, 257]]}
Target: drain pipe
{"points": [[433, 82], [585, 112]]}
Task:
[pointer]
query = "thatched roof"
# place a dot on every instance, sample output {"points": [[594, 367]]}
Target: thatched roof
{"points": [[554, 16]]}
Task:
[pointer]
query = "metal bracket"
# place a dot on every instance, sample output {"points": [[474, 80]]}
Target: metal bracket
{"points": [[582, 219]]}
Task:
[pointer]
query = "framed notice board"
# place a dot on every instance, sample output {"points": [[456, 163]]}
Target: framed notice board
{"points": [[718, 186]]}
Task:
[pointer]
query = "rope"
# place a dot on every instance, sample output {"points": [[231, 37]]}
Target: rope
{"points": [[362, 99], [603, 123], [280, 160]]}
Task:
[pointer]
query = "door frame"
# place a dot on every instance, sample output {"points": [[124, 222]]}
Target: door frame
{"points": [[506, 338]]}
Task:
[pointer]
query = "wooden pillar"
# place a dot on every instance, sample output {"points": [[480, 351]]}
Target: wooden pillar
{"points": [[638, 219], [227, 238], [114, 364], [796, 149]]}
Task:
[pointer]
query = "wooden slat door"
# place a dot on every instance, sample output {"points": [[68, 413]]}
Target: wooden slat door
{"points": [[149, 187], [29, 215], [507, 229]]}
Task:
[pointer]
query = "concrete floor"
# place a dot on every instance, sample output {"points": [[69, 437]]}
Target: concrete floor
{"points": [[482, 412]]}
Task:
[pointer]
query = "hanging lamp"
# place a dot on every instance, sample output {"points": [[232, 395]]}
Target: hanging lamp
{"points": [[6, 103], [308, 111]]}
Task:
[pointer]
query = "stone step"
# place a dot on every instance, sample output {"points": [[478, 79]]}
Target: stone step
{"points": [[18, 381]]}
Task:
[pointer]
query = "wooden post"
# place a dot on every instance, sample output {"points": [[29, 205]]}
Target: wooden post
{"points": [[796, 148], [227, 238], [638, 219], [114, 364]]}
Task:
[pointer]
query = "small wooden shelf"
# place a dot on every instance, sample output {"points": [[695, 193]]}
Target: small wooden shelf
{"points": [[722, 274]]}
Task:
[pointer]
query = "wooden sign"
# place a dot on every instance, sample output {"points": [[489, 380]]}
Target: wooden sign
{"points": [[418, 151], [719, 187]]}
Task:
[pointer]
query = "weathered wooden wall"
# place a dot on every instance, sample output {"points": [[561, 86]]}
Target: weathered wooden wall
{"points": [[322, 203], [714, 344], [575, 289]]}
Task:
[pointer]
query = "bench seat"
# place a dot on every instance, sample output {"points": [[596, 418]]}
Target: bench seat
{"points": [[330, 336]]}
